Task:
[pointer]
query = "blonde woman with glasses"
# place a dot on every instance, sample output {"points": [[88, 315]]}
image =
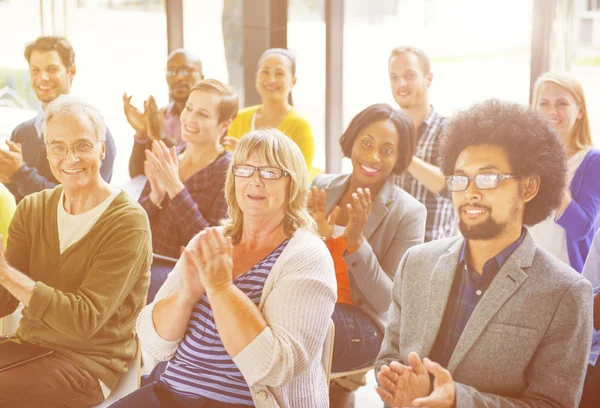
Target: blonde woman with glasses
{"points": [[243, 316]]}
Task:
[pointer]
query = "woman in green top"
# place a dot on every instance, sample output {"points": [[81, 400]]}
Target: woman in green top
{"points": [[275, 78]]}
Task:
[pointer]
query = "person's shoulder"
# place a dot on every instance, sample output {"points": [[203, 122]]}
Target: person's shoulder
{"points": [[433, 249], [325, 180], [296, 119], [247, 112], [592, 157], [305, 242], [24, 129], [551, 271], [128, 212], [41, 201], [407, 201]]}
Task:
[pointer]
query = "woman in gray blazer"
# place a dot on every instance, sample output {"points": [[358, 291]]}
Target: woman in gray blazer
{"points": [[367, 223]]}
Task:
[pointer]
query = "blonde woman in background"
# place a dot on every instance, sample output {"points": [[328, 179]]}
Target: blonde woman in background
{"points": [[568, 233]]}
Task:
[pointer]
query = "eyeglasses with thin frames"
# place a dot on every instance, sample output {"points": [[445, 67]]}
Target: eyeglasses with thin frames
{"points": [[266, 173], [78, 149], [486, 181]]}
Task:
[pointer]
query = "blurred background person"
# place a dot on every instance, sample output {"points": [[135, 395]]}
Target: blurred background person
{"points": [[183, 70], [275, 78], [568, 232]]}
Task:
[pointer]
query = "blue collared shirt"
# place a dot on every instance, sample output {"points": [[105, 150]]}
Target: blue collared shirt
{"points": [[468, 288]]}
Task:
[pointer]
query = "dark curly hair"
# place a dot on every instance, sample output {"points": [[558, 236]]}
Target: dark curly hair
{"points": [[382, 111], [529, 140], [52, 43]]}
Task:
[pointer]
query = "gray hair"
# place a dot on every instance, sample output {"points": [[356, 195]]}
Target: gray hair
{"points": [[72, 106]]}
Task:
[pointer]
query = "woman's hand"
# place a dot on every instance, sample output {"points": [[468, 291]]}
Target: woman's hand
{"points": [[359, 211], [191, 288], [157, 192], [316, 206], [213, 259], [166, 168]]}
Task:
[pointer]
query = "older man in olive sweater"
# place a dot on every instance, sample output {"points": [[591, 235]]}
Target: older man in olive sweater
{"points": [[78, 259]]}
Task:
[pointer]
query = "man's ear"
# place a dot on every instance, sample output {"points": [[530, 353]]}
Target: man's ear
{"points": [[531, 186], [71, 71]]}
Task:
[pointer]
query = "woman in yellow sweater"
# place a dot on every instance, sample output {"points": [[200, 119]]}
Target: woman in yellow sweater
{"points": [[275, 78], [7, 209]]}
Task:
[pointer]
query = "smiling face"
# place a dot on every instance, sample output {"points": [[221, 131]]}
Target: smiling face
{"points": [[49, 77], [485, 214], [274, 78], [182, 74], [375, 152], [200, 118], [560, 106], [74, 170], [409, 84], [258, 198]]}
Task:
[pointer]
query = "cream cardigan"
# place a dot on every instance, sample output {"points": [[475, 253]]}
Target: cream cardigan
{"points": [[282, 365]]}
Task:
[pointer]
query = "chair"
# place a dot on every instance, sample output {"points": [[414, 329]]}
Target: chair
{"points": [[327, 357], [328, 353], [128, 382]]}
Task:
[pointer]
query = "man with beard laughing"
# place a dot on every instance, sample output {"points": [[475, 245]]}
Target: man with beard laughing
{"points": [[24, 167], [489, 319]]}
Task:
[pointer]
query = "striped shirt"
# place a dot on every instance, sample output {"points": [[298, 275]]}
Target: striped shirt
{"points": [[199, 205], [201, 366], [441, 218]]}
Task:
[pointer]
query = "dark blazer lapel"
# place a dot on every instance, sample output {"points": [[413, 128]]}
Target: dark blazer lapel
{"points": [[509, 278], [440, 284]]}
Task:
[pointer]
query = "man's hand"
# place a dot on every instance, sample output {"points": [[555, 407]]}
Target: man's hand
{"points": [[444, 388], [400, 384], [135, 118], [10, 161]]}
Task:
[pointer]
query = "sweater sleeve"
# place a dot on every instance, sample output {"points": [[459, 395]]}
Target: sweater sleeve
{"points": [[118, 264], [579, 217], [374, 276], [297, 311], [152, 343], [301, 133]]}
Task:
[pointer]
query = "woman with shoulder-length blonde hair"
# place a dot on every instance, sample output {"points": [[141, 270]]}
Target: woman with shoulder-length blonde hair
{"points": [[568, 233], [243, 316]]}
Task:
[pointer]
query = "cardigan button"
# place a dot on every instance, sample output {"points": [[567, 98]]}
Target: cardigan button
{"points": [[58, 264], [353, 263], [261, 395]]}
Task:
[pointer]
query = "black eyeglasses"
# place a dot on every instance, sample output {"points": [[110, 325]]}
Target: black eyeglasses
{"points": [[267, 173], [487, 181]]}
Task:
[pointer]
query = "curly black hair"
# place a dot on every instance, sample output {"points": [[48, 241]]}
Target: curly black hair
{"points": [[531, 144], [382, 111]]}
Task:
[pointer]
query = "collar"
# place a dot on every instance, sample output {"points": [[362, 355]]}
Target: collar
{"points": [[498, 259]]}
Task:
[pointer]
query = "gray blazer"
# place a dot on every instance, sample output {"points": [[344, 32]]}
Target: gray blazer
{"points": [[527, 341], [397, 222]]}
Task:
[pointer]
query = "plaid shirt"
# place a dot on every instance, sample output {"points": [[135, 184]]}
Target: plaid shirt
{"points": [[199, 205], [441, 217], [468, 288]]}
